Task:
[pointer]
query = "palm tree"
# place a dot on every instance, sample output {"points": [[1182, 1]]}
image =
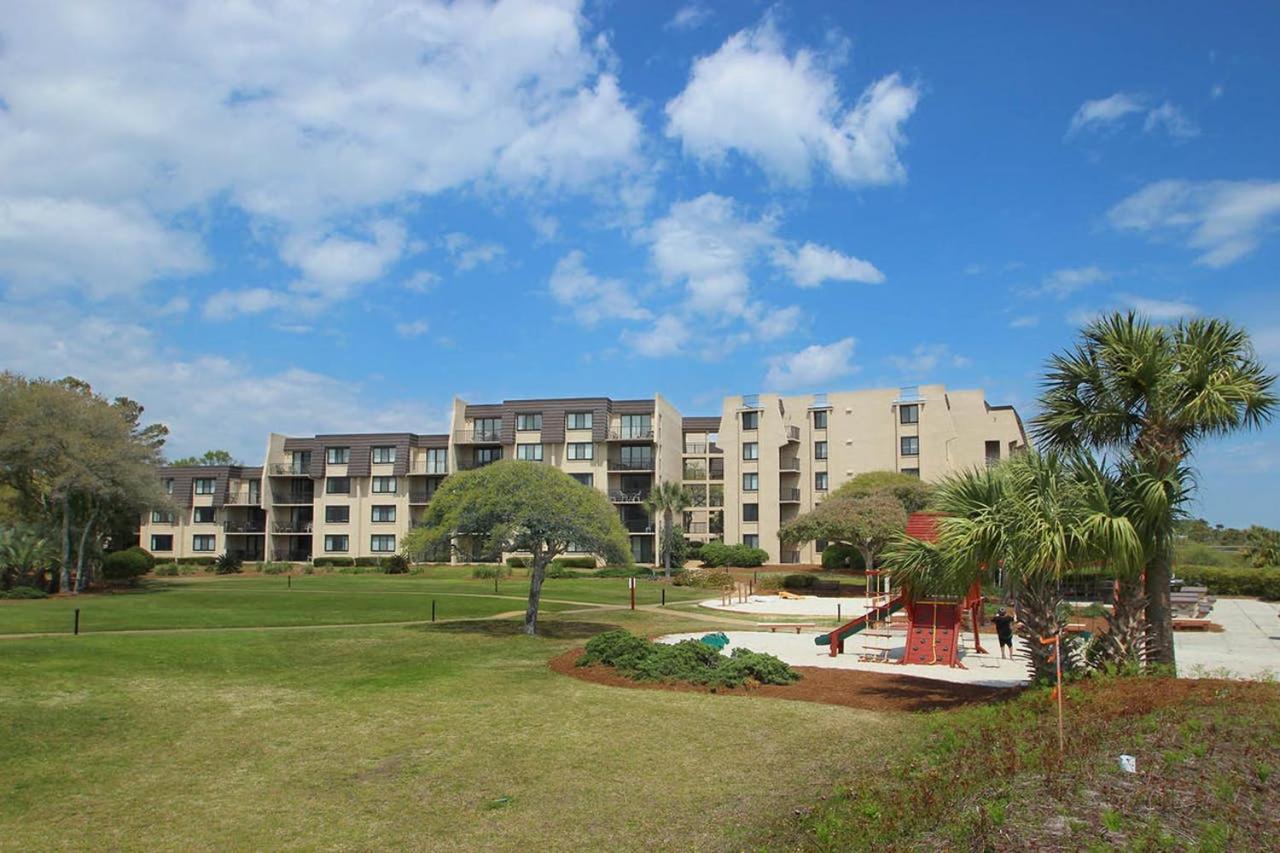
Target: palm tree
{"points": [[1035, 516], [24, 557], [1153, 392], [667, 499]]}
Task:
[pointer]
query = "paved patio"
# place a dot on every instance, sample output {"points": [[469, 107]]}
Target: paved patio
{"points": [[1247, 648]]}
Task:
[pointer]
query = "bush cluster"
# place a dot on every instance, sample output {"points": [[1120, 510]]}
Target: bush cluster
{"points": [[166, 570], [838, 555], [396, 564], [128, 564], [799, 580], [1242, 580], [624, 572], [704, 579], [691, 661], [715, 554], [490, 572], [332, 562], [228, 564], [517, 562], [275, 568], [23, 592], [769, 583], [196, 561], [575, 562]]}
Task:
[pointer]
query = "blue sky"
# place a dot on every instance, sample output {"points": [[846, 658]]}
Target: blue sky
{"points": [[265, 217]]}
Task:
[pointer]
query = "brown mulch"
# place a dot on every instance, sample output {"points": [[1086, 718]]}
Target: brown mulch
{"points": [[868, 691]]}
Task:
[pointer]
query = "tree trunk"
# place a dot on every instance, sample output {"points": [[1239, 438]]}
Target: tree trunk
{"points": [[1036, 608], [1159, 610], [536, 575], [84, 538], [63, 579], [667, 542], [1125, 642]]}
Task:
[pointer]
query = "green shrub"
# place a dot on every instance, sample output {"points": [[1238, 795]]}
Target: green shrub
{"points": [[690, 660], [559, 572], [188, 569], [368, 561], [800, 580], [490, 572], [23, 592], [716, 554], [575, 562], [396, 564], [769, 583], [518, 562], [704, 579], [168, 570], [838, 555], [713, 554], [228, 564], [275, 568], [196, 561], [1200, 554], [127, 564], [333, 562], [624, 572], [1241, 580]]}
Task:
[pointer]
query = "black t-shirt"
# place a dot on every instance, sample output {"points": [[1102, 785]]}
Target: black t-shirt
{"points": [[1004, 625]]}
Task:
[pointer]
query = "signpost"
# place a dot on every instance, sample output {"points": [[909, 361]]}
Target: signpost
{"points": [[631, 585]]}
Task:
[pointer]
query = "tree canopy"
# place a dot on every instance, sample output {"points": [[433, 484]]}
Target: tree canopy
{"points": [[527, 507], [209, 457], [868, 522], [907, 489]]}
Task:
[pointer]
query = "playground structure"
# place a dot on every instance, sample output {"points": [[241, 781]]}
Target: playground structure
{"points": [[934, 623]]}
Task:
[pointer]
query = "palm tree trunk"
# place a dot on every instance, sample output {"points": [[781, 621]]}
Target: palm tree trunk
{"points": [[537, 574], [666, 541], [63, 579], [84, 538], [1159, 610], [1125, 642], [1036, 608]]}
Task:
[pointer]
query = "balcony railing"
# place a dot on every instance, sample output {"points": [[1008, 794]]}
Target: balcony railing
{"points": [[793, 433], [296, 498], [291, 555], [694, 448], [244, 498], [696, 527], [472, 464], [164, 522], [292, 527], [789, 496], [696, 498], [631, 434], [631, 465], [478, 436], [244, 526], [433, 466], [789, 463], [717, 471], [289, 469], [715, 500], [628, 496], [695, 473], [637, 525], [419, 496]]}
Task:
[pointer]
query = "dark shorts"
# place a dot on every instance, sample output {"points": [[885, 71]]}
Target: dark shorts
{"points": [[1006, 641]]}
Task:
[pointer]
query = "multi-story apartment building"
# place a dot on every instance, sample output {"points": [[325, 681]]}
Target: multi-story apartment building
{"points": [[759, 463]]}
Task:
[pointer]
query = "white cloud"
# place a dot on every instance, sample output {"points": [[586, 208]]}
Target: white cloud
{"points": [[1026, 321], [1223, 220], [811, 265], [1158, 309], [926, 358], [768, 323], [689, 17], [1062, 283], [206, 400], [467, 254], [333, 265], [120, 124], [226, 304], [592, 298], [811, 367], [104, 250], [1108, 113], [785, 113], [666, 337], [421, 281], [412, 329]]}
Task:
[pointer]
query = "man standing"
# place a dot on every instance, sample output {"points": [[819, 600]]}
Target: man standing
{"points": [[1004, 632]]}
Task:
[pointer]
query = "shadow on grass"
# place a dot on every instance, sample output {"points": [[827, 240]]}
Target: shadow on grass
{"points": [[552, 629]]}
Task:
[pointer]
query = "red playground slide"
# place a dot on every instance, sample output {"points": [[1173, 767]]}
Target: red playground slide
{"points": [[837, 637], [933, 633]]}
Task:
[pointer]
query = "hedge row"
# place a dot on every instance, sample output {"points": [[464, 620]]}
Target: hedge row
{"points": [[1223, 580], [715, 554], [691, 661]]}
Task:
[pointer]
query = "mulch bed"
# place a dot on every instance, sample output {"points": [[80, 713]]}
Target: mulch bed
{"points": [[868, 691]]}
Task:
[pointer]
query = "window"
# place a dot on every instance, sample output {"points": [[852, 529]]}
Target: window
{"points": [[750, 421], [819, 450], [578, 420], [750, 482], [204, 485], [337, 514], [383, 455], [336, 542], [204, 543], [382, 543], [384, 513], [819, 545], [168, 485], [585, 479], [488, 429], [337, 486], [993, 452], [636, 426], [202, 515], [437, 460], [530, 422], [910, 445], [820, 481], [580, 450], [751, 540], [162, 542], [636, 458], [300, 462], [751, 512], [820, 419], [529, 452], [914, 472], [161, 517], [337, 455], [751, 450], [909, 414], [485, 455], [384, 485]]}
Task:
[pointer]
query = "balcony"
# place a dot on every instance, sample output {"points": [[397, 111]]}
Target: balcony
{"points": [[696, 498], [631, 464], [694, 472], [430, 467], [292, 528], [696, 527], [630, 496], [789, 464], [694, 448], [244, 526], [789, 496], [164, 522], [793, 433], [637, 525], [289, 469], [295, 498], [477, 436], [473, 464], [420, 496], [715, 500], [291, 555], [244, 498], [631, 434]]}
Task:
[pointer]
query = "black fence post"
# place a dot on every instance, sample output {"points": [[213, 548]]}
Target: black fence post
{"points": [[433, 610], [495, 584], [290, 581], [664, 596], [839, 618], [76, 629]]}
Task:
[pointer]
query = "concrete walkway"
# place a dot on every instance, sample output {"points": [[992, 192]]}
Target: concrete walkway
{"points": [[1247, 648]]}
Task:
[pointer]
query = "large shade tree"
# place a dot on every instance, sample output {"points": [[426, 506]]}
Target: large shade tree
{"points": [[514, 505], [666, 500], [1153, 393], [908, 490], [867, 522], [1038, 516]]}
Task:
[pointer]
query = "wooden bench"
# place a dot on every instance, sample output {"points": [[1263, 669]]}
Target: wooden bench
{"points": [[1188, 624], [774, 626], [1075, 627]]}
